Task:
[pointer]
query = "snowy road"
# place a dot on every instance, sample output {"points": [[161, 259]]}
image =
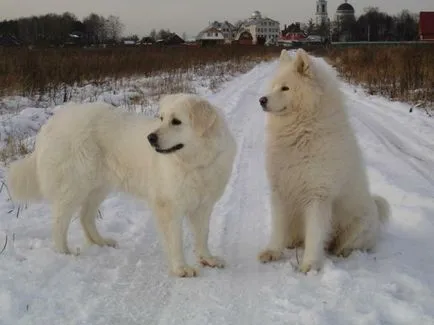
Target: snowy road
{"points": [[130, 285]]}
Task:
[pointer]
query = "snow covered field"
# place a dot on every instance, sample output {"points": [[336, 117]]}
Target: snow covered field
{"points": [[131, 285]]}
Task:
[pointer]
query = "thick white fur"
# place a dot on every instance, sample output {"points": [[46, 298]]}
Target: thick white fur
{"points": [[85, 151], [320, 193]]}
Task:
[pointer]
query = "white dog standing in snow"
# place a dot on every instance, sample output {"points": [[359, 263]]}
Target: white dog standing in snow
{"points": [[179, 164], [320, 193]]}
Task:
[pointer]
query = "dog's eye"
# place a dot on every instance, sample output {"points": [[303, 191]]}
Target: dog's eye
{"points": [[175, 121], [284, 88]]}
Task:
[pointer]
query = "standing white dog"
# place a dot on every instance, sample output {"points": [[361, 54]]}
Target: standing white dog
{"points": [[320, 193], [179, 164]]}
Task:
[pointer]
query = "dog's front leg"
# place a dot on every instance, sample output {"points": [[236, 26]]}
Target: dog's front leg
{"points": [[317, 229], [199, 222], [279, 230], [170, 226]]}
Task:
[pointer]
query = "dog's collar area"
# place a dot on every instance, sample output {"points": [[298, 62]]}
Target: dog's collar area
{"points": [[170, 150]]}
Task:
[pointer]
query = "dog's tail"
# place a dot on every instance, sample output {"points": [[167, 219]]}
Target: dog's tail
{"points": [[22, 180], [383, 208]]}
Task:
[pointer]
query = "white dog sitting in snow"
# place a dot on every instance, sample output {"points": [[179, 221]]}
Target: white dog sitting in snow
{"points": [[320, 193], [179, 163]]}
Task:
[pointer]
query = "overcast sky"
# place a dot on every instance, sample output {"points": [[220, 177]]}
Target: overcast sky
{"points": [[190, 16]]}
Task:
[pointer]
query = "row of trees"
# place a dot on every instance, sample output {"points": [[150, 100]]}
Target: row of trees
{"points": [[373, 25], [55, 29]]}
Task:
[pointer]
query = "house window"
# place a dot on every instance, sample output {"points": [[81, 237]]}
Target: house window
{"points": [[216, 34], [323, 8]]}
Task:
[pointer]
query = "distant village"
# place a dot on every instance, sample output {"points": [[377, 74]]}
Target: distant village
{"points": [[257, 29]]}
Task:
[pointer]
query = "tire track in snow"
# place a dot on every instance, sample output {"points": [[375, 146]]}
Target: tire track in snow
{"points": [[384, 111], [423, 164]]}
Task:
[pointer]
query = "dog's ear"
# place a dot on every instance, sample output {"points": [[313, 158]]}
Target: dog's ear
{"points": [[302, 63], [203, 117], [284, 56]]}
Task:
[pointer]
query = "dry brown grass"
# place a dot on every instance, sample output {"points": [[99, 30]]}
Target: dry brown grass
{"points": [[14, 147], [400, 73], [28, 72]]}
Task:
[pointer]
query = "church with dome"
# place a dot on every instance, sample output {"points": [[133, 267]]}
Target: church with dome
{"points": [[344, 10]]}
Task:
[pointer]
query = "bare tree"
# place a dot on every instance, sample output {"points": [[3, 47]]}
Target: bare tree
{"points": [[114, 28], [406, 25], [310, 28], [95, 28], [163, 34], [153, 34]]}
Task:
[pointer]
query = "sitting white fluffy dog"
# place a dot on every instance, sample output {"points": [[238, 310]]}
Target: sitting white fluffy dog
{"points": [[320, 193]]}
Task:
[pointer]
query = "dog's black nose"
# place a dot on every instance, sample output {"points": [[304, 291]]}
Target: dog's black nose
{"points": [[263, 101], [153, 139]]}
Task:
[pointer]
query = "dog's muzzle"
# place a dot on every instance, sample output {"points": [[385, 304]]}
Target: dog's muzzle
{"points": [[153, 140]]}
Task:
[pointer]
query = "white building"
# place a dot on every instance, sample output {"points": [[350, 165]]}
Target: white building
{"points": [[321, 12], [226, 28], [218, 31], [211, 35], [262, 29]]}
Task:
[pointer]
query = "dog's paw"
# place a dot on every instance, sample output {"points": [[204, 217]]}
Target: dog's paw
{"points": [[307, 267], [62, 250], [184, 271], [212, 261], [339, 251], [346, 252], [295, 244], [110, 242], [270, 256], [104, 242]]}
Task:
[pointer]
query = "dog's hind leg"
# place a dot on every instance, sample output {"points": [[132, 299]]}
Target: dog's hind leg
{"points": [[360, 235], [88, 213], [360, 226], [62, 214], [199, 223]]}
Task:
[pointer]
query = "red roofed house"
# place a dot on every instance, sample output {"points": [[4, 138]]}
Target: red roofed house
{"points": [[426, 25]]}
